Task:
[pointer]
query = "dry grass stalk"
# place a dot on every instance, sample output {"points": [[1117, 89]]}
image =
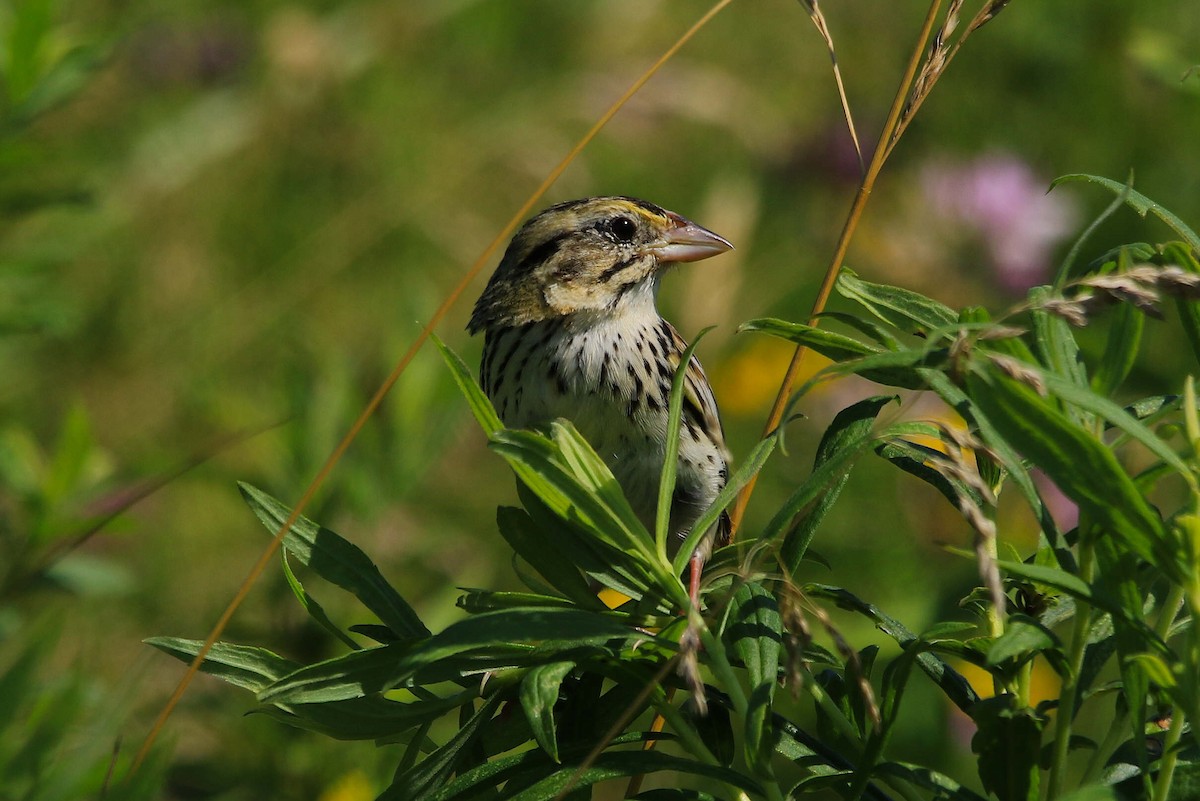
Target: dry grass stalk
{"points": [[797, 635], [818, 19], [1019, 371], [959, 465], [941, 52], [1141, 286], [853, 666]]}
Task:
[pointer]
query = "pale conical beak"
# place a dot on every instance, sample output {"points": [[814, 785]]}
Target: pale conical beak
{"points": [[686, 241]]}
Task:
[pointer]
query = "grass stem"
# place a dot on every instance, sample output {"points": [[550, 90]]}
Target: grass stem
{"points": [[1070, 688], [839, 253]]}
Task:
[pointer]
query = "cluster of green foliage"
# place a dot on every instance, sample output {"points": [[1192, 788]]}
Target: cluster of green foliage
{"points": [[57, 727], [554, 692]]}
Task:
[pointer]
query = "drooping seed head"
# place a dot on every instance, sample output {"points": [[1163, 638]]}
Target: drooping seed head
{"points": [[585, 256]]}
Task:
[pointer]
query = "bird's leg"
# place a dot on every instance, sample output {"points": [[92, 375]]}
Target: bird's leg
{"points": [[695, 568]]}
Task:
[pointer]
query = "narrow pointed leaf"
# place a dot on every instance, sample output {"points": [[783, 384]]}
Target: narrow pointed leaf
{"points": [[745, 471], [851, 431], [539, 695], [490, 640], [481, 407], [666, 484], [970, 411], [310, 604], [531, 543], [952, 683], [338, 561], [1081, 465], [1055, 340], [1138, 202], [1124, 340], [424, 778], [903, 308], [755, 631], [830, 344], [244, 666], [1008, 742]]}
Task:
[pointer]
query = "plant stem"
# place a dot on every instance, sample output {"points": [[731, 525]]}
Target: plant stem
{"points": [[1024, 681], [1114, 737], [844, 726], [839, 253], [1070, 688], [1166, 766], [718, 662]]}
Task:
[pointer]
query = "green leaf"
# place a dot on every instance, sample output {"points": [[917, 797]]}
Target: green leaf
{"points": [[852, 430], [375, 719], [338, 561], [423, 779], [597, 558], [889, 368], [534, 545], [1117, 417], [559, 481], [1008, 742], [539, 694], [310, 604], [477, 601], [1096, 792], [834, 346], [1069, 583], [532, 776], [1189, 310], [716, 732], [614, 765], [881, 334], [1185, 781], [902, 308], [1155, 669], [970, 411], [1055, 340], [755, 633], [666, 483], [942, 786], [747, 470], [952, 683], [1137, 201], [488, 641], [1023, 637], [912, 458], [481, 407], [604, 536], [242, 666], [364, 672], [1082, 466], [1124, 340]]}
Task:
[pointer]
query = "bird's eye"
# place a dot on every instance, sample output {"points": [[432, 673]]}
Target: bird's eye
{"points": [[623, 229]]}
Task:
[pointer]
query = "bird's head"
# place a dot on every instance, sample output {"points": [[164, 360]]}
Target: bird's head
{"points": [[588, 257]]}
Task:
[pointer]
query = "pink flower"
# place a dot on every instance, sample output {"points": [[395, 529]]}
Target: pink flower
{"points": [[1000, 199]]}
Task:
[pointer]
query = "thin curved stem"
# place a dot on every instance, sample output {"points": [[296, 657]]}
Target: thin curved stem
{"points": [[843, 244]]}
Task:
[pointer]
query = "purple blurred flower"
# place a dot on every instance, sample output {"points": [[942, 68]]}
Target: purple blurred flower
{"points": [[1001, 200], [1064, 510]]}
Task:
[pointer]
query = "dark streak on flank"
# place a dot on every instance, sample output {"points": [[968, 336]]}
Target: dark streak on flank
{"points": [[513, 340]]}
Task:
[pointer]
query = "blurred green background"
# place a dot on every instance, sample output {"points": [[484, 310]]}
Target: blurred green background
{"points": [[222, 222]]}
